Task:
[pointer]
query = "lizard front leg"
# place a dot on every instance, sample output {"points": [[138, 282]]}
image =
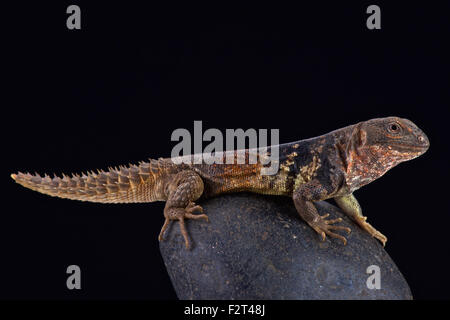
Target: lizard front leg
{"points": [[303, 197], [182, 190], [351, 207]]}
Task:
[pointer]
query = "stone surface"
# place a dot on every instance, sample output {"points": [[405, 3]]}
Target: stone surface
{"points": [[257, 247]]}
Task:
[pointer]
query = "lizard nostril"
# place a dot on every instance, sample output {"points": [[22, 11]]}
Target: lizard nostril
{"points": [[423, 140]]}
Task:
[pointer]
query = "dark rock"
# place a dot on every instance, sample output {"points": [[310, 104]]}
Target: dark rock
{"points": [[257, 247]]}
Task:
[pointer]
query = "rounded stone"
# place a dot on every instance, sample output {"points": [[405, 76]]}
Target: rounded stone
{"points": [[257, 247]]}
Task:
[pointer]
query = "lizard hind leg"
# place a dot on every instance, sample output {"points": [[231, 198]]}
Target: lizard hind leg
{"points": [[185, 187]]}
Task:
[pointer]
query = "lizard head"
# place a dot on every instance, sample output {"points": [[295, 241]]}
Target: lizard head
{"points": [[377, 145], [393, 139]]}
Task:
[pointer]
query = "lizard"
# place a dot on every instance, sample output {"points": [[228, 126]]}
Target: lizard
{"points": [[333, 165]]}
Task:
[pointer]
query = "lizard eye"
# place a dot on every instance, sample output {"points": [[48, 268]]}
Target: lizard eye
{"points": [[394, 128]]}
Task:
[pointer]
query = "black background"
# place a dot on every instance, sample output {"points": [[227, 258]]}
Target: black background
{"points": [[113, 92]]}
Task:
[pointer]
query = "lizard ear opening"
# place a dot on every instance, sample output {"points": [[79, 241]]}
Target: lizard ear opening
{"points": [[362, 136], [358, 138]]}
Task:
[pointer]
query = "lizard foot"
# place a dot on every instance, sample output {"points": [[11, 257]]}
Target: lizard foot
{"points": [[371, 230], [323, 227], [173, 213]]}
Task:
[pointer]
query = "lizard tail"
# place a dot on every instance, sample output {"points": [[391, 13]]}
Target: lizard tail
{"points": [[134, 183]]}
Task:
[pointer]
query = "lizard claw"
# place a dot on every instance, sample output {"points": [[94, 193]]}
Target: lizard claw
{"points": [[192, 207], [323, 227], [180, 214], [371, 230]]}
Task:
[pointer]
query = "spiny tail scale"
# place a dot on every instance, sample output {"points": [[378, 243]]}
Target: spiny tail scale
{"points": [[134, 183]]}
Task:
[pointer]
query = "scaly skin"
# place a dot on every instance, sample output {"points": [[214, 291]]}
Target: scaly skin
{"points": [[333, 165]]}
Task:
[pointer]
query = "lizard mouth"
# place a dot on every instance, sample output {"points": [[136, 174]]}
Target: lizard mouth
{"points": [[410, 148]]}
